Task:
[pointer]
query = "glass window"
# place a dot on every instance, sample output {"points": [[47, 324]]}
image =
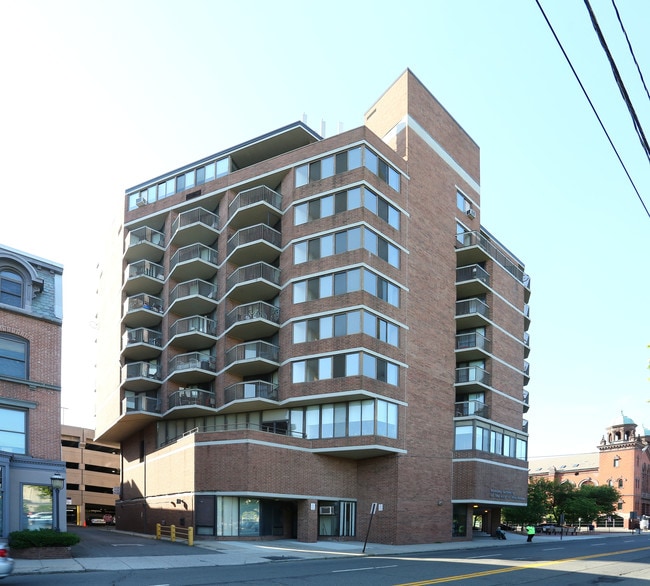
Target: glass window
{"points": [[13, 356], [340, 202], [354, 198], [13, 431], [393, 217], [170, 185], [299, 332], [354, 418], [210, 171], [393, 179], [312, 330], [369, 324], [325, 368], [312, 421], [371, 161], [314, 171], [299, 372], [341, 162], [370, 201], [341, 242], [326, 286], [354, 280], [300, 252], [313, 289], [180, 183], [327, 206], [302, 175], [223, 167], [370, 282], [392, 420], [354, 158], [354, 322], [11, 288], [339, 366], [367, 417], [300, 292], [354, 239], [340, 283], [200, 176], [352, 364], [392, 374], [393, 295], [297, 416], [327, 245], [340, 325], [301, 214], [327, 167], [393, 256], [327, 420], [189, 179], [463, 439], [370, 241], [326, 328], [313, 252], [392, 334], [369, 366], [249, 516], [340, 419]]}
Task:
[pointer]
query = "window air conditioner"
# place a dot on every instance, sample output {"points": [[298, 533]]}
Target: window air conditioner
{"points": [[471, 213], [141, 201], [326, 510]]}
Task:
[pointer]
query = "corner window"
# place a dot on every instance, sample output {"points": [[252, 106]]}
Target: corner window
{"points": [[13, 356], [11, 288]]}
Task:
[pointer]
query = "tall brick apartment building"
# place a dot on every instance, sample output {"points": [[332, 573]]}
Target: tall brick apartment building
{"points": [[306, 327], [622, 461], [30, 389]]}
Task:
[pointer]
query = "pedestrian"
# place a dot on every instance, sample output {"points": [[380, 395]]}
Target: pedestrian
{"points": [[530, 530]]}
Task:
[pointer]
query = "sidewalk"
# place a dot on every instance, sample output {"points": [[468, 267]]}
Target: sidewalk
{"points": [[224, 553]]}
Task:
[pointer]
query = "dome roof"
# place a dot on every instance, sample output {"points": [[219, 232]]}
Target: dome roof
{"points": [[622, 420], [644, 432]]}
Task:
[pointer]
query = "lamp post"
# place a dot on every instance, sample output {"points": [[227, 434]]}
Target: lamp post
{"points": [[56, 481]]}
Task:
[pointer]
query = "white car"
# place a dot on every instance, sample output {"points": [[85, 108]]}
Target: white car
{"points": [[6, 563]]}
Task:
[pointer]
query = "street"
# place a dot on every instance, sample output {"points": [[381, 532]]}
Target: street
{"points": [[619, 558]]}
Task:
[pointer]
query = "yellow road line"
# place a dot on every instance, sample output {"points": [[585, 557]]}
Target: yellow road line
{"points": [[517, 568]]}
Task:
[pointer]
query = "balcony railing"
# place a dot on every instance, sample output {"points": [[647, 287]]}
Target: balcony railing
{"points": [[145, 234], [143, 301], [472, 307], [193, 288], [141, 403], [472, 374], [471, 408], [257, 389], [253, 196], [141, 336], [473, 340], [195, 324], [472, 273], [191, 253], [253, 351], [192, 360], [146, 370], [251, 311], [254, 272], [495, 251], [145, 268], [526, 399], [195, 216], [253, 234], [199, 397]]}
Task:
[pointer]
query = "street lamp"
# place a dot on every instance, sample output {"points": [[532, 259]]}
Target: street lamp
{"points": [[56, 481]]}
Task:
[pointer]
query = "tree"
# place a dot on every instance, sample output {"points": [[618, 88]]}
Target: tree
{"points": [[535, 509]]}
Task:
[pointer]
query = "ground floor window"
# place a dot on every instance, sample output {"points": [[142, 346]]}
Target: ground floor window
{"points": [[246, 517], [337, 518], [459, 521], [37, 507]]}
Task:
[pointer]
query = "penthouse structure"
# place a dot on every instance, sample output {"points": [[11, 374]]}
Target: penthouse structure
{"points": [[301, 332]]}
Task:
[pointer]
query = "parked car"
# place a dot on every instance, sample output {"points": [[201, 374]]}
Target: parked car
{"points": [[6, 563]]}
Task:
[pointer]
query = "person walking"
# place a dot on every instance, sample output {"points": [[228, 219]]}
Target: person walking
{"points": [[530, 530]]}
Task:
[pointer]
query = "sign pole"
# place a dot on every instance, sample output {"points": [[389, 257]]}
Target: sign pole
{"points": [[373, 510]]}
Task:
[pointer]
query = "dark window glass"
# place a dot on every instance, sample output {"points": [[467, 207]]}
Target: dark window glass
{"points": [[341, 244], [341, 162], [312, 330], [383, 171], [382, 249], [340, 284], [314, 209], [340, 202], [200, 176], [314, 171], [314, 249], [180, 183], [313, 287], [382, 209], [339, 366]]}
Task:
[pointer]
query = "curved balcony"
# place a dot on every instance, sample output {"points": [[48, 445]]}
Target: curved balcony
{"points": [[193, 402], [141, 376], [193, 333], [254, 206], [253, 320], [526, 372], [526, 344], [259, 242], [137, 412], [144, 244], [142, 310], [253, 358], [140, 403], [143, 277], [472, 313], [526, 316], [195, 226], [472, 376], [256, 282], [193, 297], [471, 281], [192, 368], [256, 389], [526, 399], [141, 344], [471, 409], [197, 260], [472, 346]]}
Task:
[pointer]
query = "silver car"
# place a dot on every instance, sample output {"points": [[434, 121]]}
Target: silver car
{"points": [[6, 563]]}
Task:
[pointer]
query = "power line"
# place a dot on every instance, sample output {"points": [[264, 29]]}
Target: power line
{"points": [[584, 91]]}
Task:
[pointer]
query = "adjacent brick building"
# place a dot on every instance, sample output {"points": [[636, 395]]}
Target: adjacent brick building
{"points": [[622, 461], [30, 390], [312, 329]]}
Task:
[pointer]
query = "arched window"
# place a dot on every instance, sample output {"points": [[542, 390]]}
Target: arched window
{"points": [[13, 356], [12, 288]]}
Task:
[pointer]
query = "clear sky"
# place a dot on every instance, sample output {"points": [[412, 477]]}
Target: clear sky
{"points": [[98, 96]]}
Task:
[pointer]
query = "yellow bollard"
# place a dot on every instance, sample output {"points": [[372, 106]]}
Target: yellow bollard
{"points": [[173, 532], [190, 536], [158, 532]]}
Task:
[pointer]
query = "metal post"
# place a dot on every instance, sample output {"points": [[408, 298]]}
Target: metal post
{"points": [[373, 510]]}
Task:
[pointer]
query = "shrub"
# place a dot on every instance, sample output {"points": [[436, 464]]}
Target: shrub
{"points": [[41, 538]]}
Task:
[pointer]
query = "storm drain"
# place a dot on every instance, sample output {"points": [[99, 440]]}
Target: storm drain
{"points": [[276, 558]]}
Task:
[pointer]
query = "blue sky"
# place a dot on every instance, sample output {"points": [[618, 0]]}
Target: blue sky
{"points": [[99, 96]]}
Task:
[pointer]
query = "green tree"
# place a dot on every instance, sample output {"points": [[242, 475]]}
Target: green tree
{"points": [[535, 509]]}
